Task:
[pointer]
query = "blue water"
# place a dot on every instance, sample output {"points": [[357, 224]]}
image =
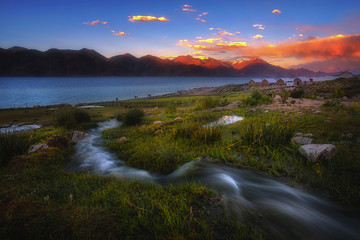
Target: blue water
{"points": [[29, 91]]}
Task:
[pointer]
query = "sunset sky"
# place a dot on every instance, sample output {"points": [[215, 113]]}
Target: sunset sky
{"points": [[319, 35]]}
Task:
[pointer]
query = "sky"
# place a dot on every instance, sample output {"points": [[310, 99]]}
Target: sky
{"points": [[318, 34]]}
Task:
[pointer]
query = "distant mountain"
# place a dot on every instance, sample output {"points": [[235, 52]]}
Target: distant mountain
{"points": [[18, 61]]}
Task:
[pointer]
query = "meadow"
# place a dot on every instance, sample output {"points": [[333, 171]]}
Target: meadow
{"points": [[40, 198]]}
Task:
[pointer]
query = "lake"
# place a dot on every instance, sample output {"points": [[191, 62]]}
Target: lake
{"points": [[29, 91]]}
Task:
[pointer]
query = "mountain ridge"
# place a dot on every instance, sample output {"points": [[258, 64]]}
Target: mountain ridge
{"points": [[19, 61]]}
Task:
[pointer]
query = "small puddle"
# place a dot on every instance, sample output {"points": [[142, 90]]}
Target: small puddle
{"points": [[225, 120]]}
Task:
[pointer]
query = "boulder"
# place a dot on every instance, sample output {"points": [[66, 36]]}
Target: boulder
{"points": [[78, 135], [316, 152], [277, 97], [178, 118], [303, 140], [38, 147], [157, 122], [122, 140]]}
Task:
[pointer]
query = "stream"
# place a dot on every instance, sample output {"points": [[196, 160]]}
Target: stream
{"points": [[284, 211]]}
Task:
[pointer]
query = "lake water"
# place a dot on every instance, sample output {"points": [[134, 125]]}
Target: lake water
{"points": [[30, 91]]}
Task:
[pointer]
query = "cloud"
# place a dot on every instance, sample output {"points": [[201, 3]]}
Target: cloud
{"points": [[188, 8], [209, 40], [276, 11], [232, 45], [257, 36], [259, 26], [196, 53], [140, 18], [92, 22], [224, 32], [201, 20], [211, 29], [118, 33], [333, 47], [104, 23]]}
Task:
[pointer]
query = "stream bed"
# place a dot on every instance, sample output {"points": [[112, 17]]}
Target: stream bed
{"points": [[285, 212]]}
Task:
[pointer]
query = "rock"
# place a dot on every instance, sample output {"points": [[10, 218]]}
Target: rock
{"points": [[122, 140], [38, 147], [178, 118], [157, 122], [349, 136], [316, 152], [266, 111], [277, 97], [303, 140], [78, 135]]}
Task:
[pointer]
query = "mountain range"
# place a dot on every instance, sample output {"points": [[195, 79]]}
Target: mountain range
{"points": [[18, 61]]}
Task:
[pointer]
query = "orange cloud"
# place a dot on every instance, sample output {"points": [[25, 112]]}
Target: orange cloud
{"points": [[209, 40], [118, 33], [333, 47], [211, 28], [257, 36], [92, 23], [202, 20], [259, 26], [232, 45], [104, 23], [187, 6], [140, 18], [188, 10], [276, 11], [224, 32]]}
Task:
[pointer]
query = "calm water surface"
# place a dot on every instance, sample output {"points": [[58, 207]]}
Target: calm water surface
{"points": [[30, 91]]}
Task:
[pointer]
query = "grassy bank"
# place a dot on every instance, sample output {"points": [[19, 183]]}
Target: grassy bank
{"points": [[39, 198]]}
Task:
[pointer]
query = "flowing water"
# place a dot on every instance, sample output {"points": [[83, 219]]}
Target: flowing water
{"points": [[19, 128], [284, 212]]}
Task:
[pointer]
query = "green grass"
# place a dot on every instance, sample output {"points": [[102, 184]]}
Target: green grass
{"points": [[71, 117], [131, 117], [12, 144], [39, 199], [256, 98]]}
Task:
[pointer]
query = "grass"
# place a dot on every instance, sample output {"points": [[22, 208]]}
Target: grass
{"points": [[131, 117], [197, 133], [71, 117], [40, 198], [12, 144], [256, 98]]}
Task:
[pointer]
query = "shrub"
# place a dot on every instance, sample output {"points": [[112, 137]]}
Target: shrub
{"points": [[12, 144], [338, 93], [256, 98], [260, 132], [332, 103], [71, 117], [297, 92], [207, 102], [132, 117], [197, 133]]}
